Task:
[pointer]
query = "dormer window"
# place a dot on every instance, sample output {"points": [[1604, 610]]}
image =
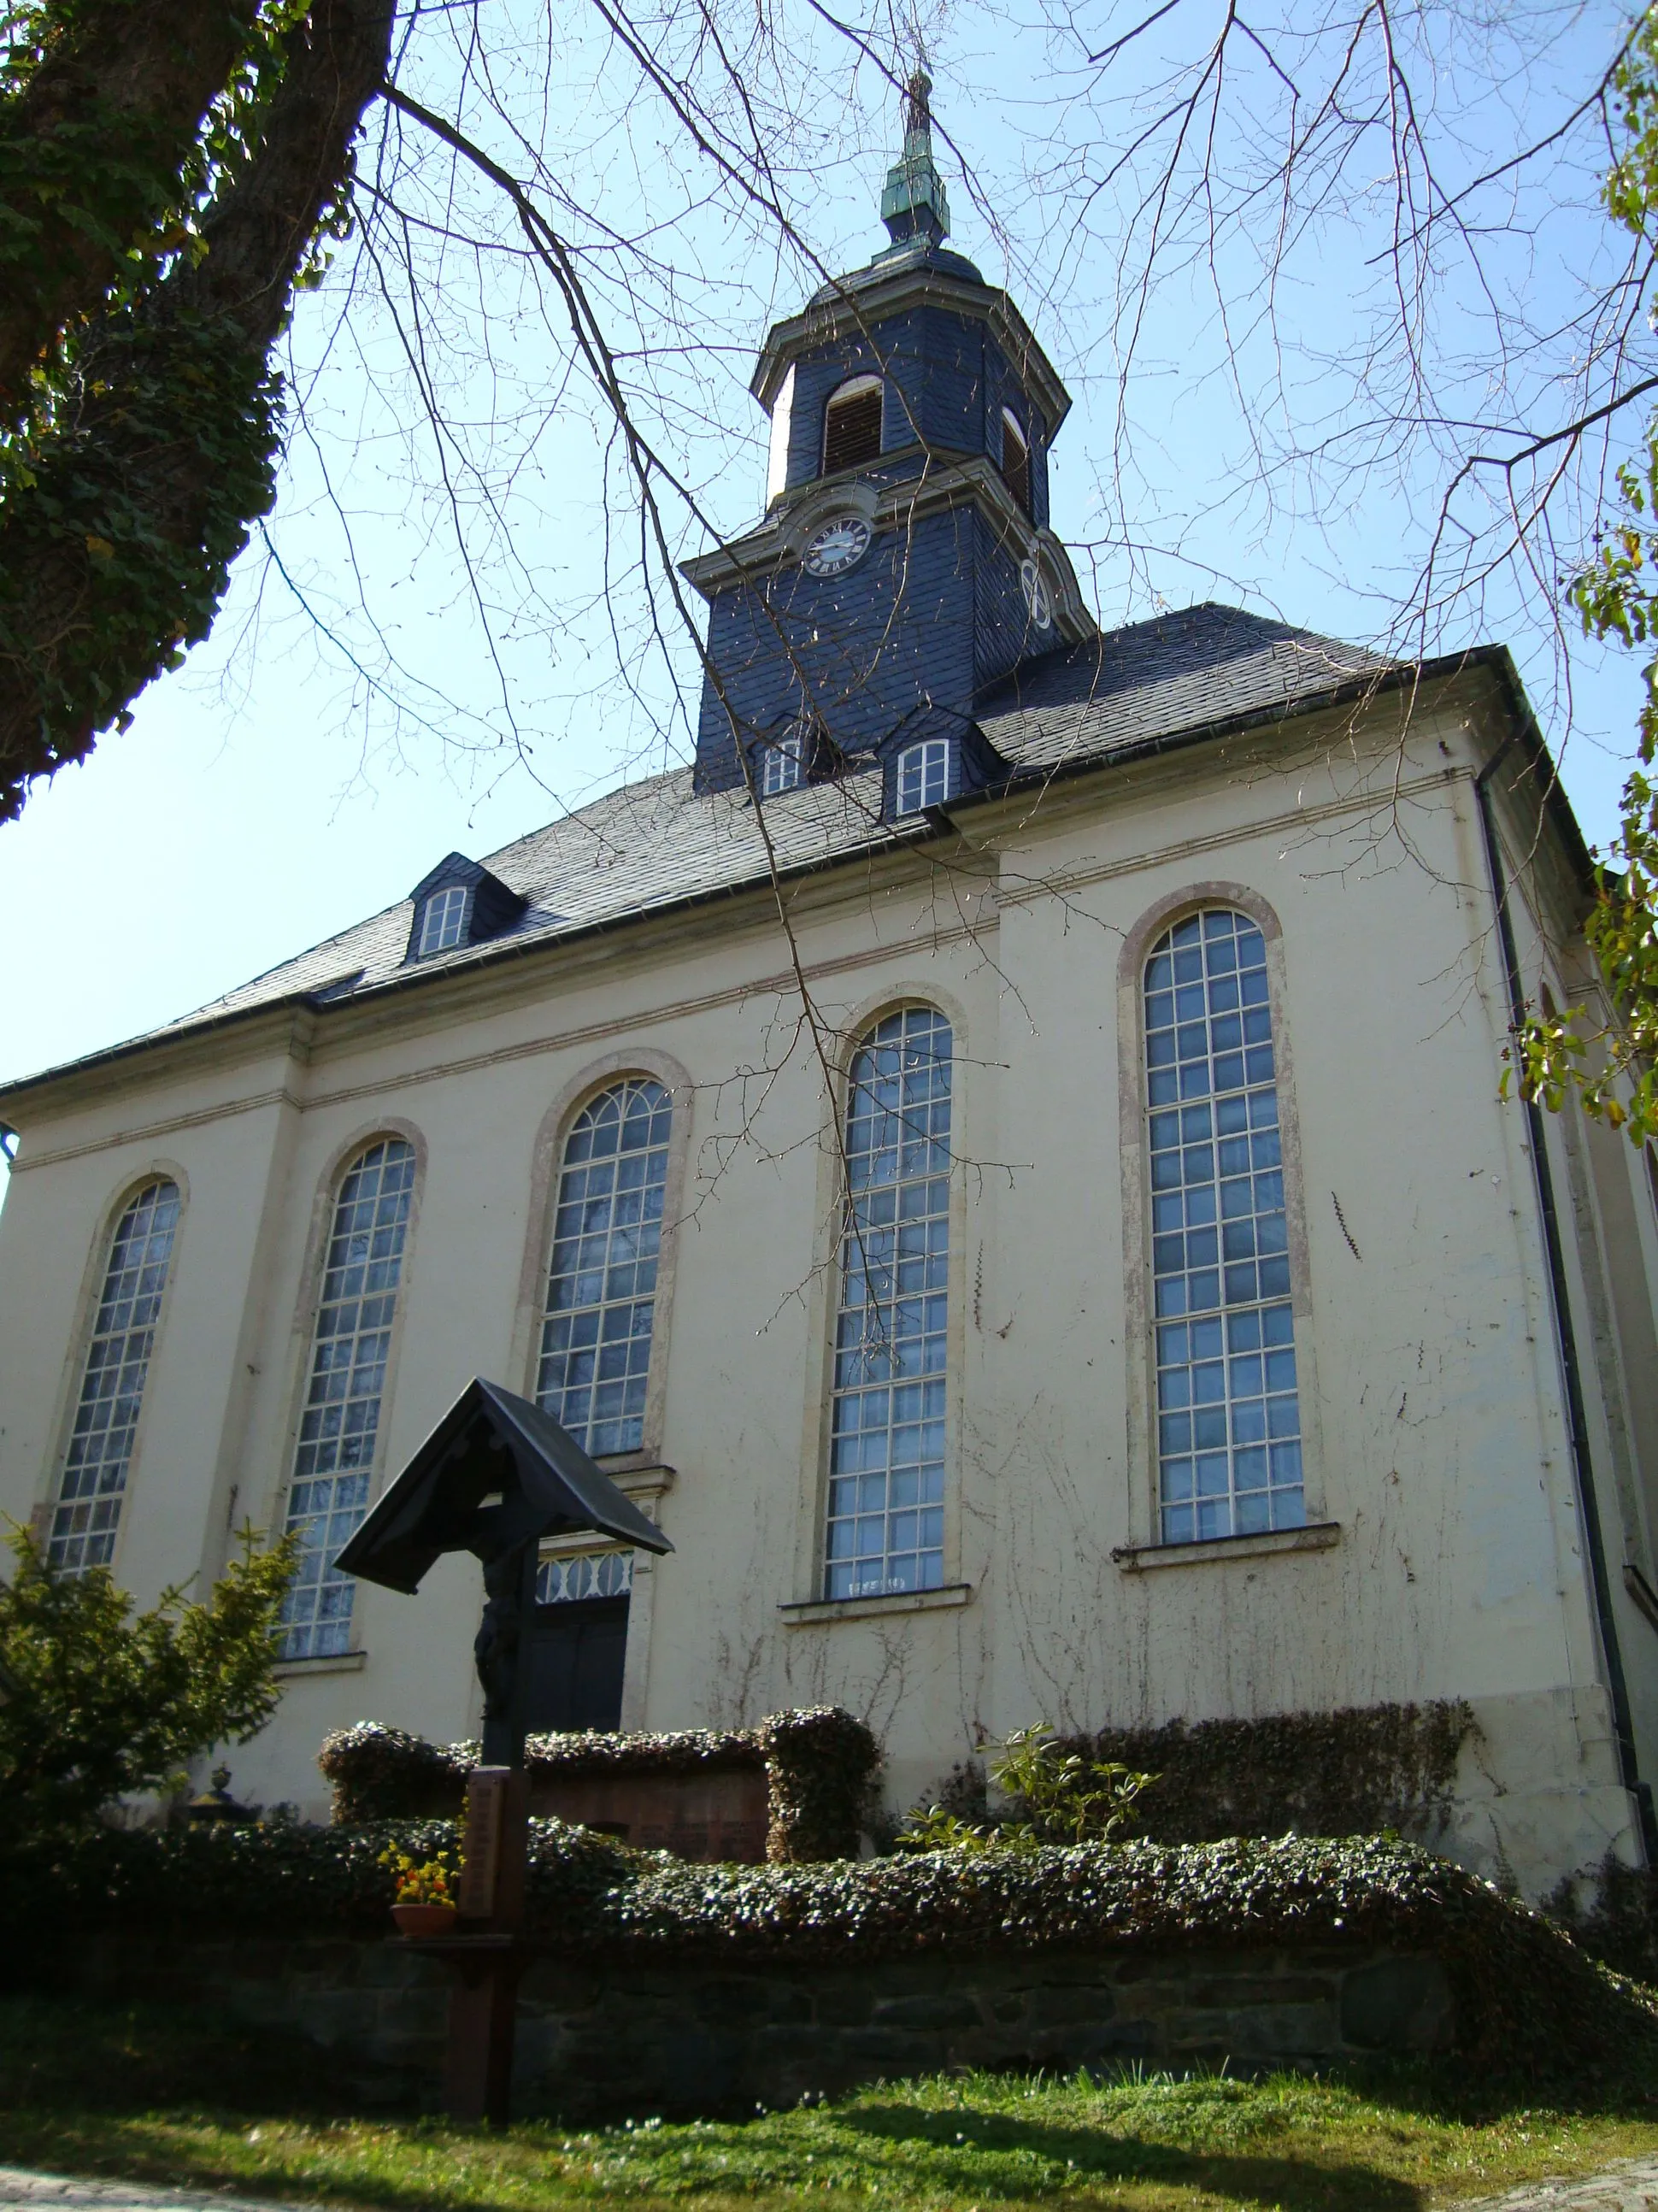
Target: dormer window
{"points": [[923, 775], [1015, 460], [460, 902], [444, 921], [852, 425], [782, 765]]}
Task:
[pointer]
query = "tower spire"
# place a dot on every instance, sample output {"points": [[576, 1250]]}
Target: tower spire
{"points": [[914, 206]]}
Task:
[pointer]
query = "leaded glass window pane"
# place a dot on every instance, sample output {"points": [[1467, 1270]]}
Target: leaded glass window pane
{"points": [[339, 1428], [442, 919], [885, 1527], [567, 1581], [1228, 1425], [88, 1508], [923, 775], [601, 1286]]}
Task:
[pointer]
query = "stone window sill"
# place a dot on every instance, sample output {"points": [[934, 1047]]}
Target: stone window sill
{"points": [[808, 1612], [1140, 1558], [329, 1662]]}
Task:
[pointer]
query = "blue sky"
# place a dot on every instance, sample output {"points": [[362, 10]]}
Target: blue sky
{"points": [[268, 794]]}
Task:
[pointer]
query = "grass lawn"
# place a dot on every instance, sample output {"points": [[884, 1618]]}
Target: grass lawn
{"points": [[167, 2097]]}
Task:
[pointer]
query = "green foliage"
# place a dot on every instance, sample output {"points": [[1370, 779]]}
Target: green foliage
{"points": [[1524, 1991], [180, 2098], [819, 1763], [145, 449], [106, 1702], [1352, 1772], [1611, 1064], [1060, 1797]]}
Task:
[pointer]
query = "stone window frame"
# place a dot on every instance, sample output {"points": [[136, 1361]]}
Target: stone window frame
{"points": [[649, 1064], [1140, 1348], [808, 1607], [341, 1159], [87, 1301]]}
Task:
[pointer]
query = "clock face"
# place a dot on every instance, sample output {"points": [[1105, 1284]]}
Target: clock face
{"points": [[837, 546]]}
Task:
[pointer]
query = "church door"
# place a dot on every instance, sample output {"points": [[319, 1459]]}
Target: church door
{"points": [[579, 1645]]}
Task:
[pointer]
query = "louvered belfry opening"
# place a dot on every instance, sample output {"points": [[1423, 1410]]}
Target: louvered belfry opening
{"points": [[852, 426], [1015, 462]]}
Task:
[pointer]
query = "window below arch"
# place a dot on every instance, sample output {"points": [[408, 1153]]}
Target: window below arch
{"points": [[852, 425], [1016, 460], [339, 1427], [885, 1526], [89, 1508], [600, 1313], [1229, 1427], [922, 775]]}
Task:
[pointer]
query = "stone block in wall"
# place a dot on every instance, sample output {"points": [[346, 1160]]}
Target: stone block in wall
{"points": [[599, 2037], [1064, 2004], [1398, 2004]]}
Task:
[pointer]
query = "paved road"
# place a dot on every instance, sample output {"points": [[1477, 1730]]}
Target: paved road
{"points": [[1630, 2186], [66, 2194]]}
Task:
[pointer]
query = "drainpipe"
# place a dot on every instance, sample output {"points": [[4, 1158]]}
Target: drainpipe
{"points": [[1566, 1339]]}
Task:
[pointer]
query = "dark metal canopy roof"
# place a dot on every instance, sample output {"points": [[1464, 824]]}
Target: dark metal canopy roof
{"points": [[496, 1472]]}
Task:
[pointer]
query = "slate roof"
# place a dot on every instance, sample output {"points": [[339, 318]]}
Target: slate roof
{"points": [[654, 843]]}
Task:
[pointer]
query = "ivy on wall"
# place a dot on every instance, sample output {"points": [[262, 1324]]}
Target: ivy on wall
{"points": [[1525, 1993], [1344, 1773], [819, 1765]]}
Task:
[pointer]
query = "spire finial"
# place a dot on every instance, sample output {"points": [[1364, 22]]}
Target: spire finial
{"points": [[913, 206]]}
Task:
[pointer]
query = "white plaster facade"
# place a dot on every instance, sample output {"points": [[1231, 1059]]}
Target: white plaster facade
{"points": [[1445, 1555]]}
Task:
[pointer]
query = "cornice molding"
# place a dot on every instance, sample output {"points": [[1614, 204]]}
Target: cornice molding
{"points": [[852, 308], [955, 480]]}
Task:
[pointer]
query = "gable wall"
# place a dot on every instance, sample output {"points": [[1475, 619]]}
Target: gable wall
{"points": [[1426, 1352]]}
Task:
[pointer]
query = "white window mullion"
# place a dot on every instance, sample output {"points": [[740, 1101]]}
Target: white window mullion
{"points": [[339, 1428], [884, 1527]]}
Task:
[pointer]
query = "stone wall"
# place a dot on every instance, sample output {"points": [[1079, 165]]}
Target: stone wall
{"points": [[610, 2037]]}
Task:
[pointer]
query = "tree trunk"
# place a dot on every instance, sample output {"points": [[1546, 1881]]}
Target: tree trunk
{"points": [[92, 156], [115, 549]]}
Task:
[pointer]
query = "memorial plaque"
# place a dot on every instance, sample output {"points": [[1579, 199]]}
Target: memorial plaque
{"points": [[486, 1808]]}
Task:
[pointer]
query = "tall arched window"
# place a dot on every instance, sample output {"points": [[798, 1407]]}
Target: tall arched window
{"points": [[89, 1508], [1228, 1428], [852, 425], [339, 1428], [886, 1516], [601, 1286]]}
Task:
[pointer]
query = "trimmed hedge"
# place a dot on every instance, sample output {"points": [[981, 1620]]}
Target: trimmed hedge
{"points": [[819, 1763], [1527, 1996]]}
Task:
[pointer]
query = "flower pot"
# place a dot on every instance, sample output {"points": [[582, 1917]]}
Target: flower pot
{"points": [[424, 1919]]}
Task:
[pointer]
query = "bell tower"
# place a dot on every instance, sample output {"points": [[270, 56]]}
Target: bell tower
{"points": [[904, 561]]}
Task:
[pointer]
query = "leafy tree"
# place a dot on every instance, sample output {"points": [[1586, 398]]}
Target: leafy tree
{"points": [[164, 175], [105, 1702], [1057, 1796], [1610, 1060]]}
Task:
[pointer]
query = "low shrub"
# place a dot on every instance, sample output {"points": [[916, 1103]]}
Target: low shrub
{"points": [[819, 1763], [1525, 1992]]}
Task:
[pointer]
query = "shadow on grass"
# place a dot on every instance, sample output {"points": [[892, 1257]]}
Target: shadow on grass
{"points": [[1095, 2155]]}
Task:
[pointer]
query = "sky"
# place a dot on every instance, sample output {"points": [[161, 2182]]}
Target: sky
{"points": [[309, 764]]}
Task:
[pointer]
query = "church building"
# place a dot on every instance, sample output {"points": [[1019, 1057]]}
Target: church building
{"points": [[1001, 1158]]}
